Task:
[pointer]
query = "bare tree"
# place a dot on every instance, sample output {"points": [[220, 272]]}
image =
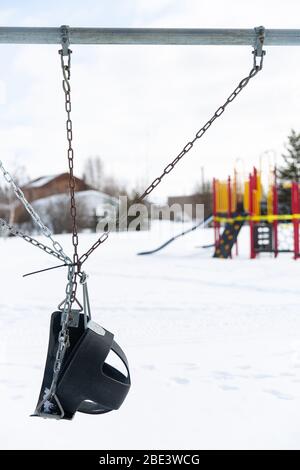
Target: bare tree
{"points": [[56, 214], [113, 188], [93, 172]]}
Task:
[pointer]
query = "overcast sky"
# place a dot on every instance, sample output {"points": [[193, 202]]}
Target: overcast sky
{"points": [[136, 106]]}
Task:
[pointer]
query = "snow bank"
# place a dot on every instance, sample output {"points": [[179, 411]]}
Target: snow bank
{"points": [[213, 345]]}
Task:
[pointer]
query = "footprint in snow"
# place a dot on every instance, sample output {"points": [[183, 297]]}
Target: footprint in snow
{"points": [[263, 376], [287, 374], [148, 366], [223, 375], [17, 397], [279, 395], [228, 388], [180, 380], [191, 366]]}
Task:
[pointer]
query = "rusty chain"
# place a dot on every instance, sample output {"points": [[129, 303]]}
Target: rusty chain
{"points": [[74, 270], [257, 66], [66, 70]]}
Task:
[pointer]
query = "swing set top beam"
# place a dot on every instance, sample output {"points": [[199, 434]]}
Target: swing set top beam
{"points": [[149, 36]]}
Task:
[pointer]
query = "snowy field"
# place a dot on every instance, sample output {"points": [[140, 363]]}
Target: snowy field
{"points": [[214, 345]]}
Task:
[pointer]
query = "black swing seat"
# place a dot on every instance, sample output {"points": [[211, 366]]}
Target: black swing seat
{"points": [[86, 383]]}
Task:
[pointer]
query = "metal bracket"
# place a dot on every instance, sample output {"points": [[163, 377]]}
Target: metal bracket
{"points": [[86, 300], [43, 414], [65, 39], [74, 318], [259, 41], [61, 305]]}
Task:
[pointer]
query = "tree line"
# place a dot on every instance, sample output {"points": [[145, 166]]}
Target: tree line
{"points": [[95, 176]]}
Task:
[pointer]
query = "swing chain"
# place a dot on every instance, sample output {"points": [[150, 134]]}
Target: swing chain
{"points": [[63, 342], [63, 338], [65, 55], [18, 233], [34, 215], [74, 269], [257, 66]]}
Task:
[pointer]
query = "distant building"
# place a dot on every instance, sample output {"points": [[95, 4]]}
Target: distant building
{"points": [[48, 185], [187, 204], [49, 195], [175, 212]]}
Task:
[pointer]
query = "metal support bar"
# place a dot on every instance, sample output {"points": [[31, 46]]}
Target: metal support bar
{"points": [[168, 36]]}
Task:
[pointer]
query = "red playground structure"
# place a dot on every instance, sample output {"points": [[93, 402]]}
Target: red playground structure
{"points": [[273, 224]]}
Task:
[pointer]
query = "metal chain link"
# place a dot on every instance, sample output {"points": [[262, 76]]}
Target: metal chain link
{"points": [[18, 233], [257, 66], [66, 70], [74, 269], [34, 215], [63, 344]]}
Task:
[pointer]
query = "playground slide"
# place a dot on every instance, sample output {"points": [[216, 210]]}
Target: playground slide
{"points": [[228, 239], [203, 223]]}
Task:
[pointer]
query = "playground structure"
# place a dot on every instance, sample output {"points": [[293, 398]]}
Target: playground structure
{"points": [[272, 229]]}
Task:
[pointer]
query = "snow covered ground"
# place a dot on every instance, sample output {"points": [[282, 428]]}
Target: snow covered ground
{"points": [[214, 345]]}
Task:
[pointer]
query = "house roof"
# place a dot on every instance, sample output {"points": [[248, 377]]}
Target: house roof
{"points": [[41, 181], [92, 200]]}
